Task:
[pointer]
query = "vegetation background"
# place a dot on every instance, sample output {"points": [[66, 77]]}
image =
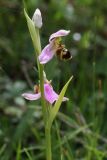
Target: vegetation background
{"points": [[80, 131]]}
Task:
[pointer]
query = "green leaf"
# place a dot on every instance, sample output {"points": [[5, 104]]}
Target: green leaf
{"points": [[33, 32], [57, 105]]}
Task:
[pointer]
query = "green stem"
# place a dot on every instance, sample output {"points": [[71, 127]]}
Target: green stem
{"points": [[48, 142], [44, 106], [40, 69], [42, 92]]}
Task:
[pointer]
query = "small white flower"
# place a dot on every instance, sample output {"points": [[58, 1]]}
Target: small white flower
{"points": [[37, 18]]}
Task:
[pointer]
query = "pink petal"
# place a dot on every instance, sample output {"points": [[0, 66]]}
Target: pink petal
{"points": [[50, 95], [59, 33], [47, 54], [31, 97]]}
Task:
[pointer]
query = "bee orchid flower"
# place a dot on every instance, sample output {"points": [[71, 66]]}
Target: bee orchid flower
{"points": [[50, 95], [54, 44]]}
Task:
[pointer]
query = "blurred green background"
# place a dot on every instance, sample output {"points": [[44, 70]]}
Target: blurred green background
{"points": [[81, 121]]}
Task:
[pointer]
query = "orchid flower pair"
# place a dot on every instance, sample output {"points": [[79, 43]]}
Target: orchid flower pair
{"points": [[46, 55]]}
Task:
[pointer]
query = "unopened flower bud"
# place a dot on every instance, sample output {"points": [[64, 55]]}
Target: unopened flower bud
{"points": [[37, 18]]}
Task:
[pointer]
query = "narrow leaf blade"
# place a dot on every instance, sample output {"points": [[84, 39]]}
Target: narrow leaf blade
{"points": [[32, 31], [57, 105]]}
